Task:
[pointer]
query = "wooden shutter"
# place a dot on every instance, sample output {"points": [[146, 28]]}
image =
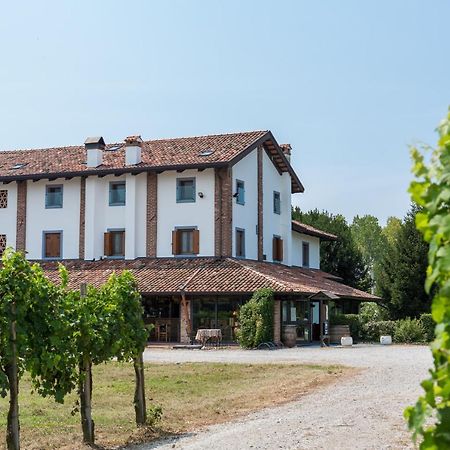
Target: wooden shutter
{"points": [[52, 245], [175, 243], [280, 249], [274, 249], [196, 242], [107, 244], [277, 249], [123, 243]]}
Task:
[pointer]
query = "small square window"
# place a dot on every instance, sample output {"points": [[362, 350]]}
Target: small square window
{"points": [[240, 192], [117, 193], [276, 203], [52, 245], [3, 199], [240, 243], [2, 243], [305, 254], [53, 196], [185, 190]]}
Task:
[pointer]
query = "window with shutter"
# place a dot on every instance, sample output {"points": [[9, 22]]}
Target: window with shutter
{"points": [[276, 202], [277, 248], [185, 190], [117, 193], [114, 243], [52, 244], [53, 196], [240, 243], [305, 254], [185, 241]]}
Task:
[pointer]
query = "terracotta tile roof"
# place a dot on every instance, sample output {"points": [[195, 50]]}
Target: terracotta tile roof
{"points": [[311, 231], [188, 152], [163, 276]]}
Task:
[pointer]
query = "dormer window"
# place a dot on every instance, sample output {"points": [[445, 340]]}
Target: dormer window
{"points": [[53, 196], [185, 190]]}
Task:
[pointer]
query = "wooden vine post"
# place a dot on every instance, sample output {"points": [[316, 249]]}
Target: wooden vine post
{"points": [[85, 390]]}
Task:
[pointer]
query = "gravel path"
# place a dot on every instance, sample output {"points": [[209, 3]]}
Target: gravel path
{"points": [[360, 412]]}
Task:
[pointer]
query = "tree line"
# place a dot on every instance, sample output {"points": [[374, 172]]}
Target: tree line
{"points": [[389, 261], [57, 334]]}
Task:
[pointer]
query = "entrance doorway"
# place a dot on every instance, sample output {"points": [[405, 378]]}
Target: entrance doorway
{"points": [[305, 314]]}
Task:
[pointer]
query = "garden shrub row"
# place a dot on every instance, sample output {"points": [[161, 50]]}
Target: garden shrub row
{"points": [[402, 331]]}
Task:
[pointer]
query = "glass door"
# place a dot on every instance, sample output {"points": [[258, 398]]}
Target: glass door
{"points": [[303, 319]]}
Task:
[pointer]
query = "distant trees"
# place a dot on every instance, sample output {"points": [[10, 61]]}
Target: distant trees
{"points": [[402, 271], [391, 259], [342, 257]]}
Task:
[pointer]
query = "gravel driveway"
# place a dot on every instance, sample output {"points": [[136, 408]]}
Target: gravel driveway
{"points": [[361, 412]]}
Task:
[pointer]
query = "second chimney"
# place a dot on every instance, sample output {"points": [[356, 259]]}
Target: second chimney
{"points": [[287, 149], [94, 151], [133, 146]]}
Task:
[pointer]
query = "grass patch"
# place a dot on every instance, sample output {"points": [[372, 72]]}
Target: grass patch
{"points": [[191, 395]]}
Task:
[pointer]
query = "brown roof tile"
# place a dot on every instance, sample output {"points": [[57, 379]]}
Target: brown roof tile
{"points": [[311, 231], [157, 154], [207, 275]]}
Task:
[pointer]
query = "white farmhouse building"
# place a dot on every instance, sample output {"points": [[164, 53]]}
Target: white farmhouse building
{"points": [[202, 222]]}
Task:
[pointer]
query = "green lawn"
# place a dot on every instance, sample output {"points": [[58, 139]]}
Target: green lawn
{"points": [[191, 395]]}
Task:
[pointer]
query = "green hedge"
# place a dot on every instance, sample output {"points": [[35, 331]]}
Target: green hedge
{"points": [[373, 330], [429, 325], [409, 331], [256, 320]]}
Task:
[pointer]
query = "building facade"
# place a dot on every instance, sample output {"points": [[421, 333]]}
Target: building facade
{"points": [[168, 210]]}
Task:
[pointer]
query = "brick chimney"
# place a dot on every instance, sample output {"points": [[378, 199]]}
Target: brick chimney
{"points": [[133, 146], [287, 151], [94, 151]]}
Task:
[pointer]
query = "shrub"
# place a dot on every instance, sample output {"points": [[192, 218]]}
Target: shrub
{"points": [[409, 330], [373, 330], [256, 320], [429, 325], [371, 312]]}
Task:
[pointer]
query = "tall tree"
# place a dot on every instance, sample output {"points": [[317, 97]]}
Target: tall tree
{"points": [[342, 257], [391, 230], [402, 271], [370, 241]]}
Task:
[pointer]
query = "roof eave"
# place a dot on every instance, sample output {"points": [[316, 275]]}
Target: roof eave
{"points": [[103, 172]]}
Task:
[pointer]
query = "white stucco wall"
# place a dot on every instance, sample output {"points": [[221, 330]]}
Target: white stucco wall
{"points": [[100, 217], [199, 214], [314, 250], [65, 219], [246, 216], [276, 224], [8, 216]]}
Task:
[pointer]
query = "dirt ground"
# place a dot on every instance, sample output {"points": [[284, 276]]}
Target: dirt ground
{"points": [[361, 412]]}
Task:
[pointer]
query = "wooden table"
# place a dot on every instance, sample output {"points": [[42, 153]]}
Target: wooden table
{"points": [[209, 334]]}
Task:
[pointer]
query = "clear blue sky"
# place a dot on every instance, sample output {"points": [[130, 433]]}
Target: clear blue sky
{"points": [[350, 84]]}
